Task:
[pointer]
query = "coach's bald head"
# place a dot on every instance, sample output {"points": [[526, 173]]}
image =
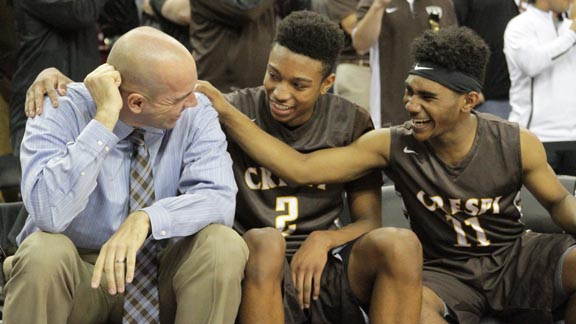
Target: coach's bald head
{"points": [[148, 60]]}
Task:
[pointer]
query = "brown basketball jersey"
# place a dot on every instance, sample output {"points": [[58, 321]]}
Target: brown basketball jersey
{"points": [[467, 210], [265, 200]]}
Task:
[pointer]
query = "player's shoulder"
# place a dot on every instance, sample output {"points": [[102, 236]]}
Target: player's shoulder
{"points": [[76, 102], [337, 105], [496, 123]]}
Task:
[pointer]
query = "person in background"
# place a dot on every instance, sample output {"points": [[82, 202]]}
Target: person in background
{"points": [[385, 29], [541, 56], [51, 33], [480, 16], [230, 39], [352, 69]]}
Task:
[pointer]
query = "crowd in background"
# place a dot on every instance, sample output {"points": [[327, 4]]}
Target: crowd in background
{"points": [[230, 41]]}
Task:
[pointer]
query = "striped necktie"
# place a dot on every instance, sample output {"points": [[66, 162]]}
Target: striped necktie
{"points": [[141, 297]]}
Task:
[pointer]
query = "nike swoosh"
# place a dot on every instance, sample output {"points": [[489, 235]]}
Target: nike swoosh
{"points": [[391, 10], [408, 151], [418, 67]]}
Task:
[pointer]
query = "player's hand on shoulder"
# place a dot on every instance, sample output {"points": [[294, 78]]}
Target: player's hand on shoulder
{"points": [[51, 82], [216, 97], [379, 4], [307, 266]]}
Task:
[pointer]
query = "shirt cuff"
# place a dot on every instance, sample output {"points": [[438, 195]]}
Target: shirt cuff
{"points": [[159, 222], [97, 138]]}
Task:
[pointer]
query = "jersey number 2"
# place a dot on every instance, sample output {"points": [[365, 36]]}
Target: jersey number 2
{"points": [[290, 205]]}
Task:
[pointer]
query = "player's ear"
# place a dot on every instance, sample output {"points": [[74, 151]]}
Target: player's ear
{"points": [[327, 83], [471, 100]]}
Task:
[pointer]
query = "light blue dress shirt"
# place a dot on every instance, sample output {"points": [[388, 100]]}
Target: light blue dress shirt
{"points": [[75, 173]]}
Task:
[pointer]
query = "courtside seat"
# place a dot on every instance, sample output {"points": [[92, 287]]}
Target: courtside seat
{"points": [[10, 175], [8, 215], [393, 209], [535, 216], [10, 172]]}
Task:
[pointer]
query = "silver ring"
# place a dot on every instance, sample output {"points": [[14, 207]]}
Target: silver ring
{"points": [[121, 261]]}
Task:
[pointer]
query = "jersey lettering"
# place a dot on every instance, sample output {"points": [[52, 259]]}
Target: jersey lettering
{"points": [[262, 179], [471, 206]]}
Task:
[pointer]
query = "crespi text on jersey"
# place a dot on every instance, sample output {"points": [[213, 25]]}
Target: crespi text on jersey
{"points": [[260, 178], [451, 206]]}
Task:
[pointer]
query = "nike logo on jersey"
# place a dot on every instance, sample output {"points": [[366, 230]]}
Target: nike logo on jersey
{"points": [[409, 151], [434, 10], [417, 67], [391, 10]]}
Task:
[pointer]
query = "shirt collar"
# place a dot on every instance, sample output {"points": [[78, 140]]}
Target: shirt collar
{"points": [[122, 130]]}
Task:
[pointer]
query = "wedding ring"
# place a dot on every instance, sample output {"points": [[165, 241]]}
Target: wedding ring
{"points": [[121, 261]]}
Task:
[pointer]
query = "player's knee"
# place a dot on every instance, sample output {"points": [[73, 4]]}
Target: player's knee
{"points": [[394, 247], [266, 242], [267, 252]]}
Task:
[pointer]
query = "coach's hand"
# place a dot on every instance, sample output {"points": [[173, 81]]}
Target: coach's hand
{"points": [[103, 85], [307, 266], [117, 258]]}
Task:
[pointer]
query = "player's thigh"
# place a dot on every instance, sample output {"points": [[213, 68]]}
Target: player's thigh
{"points": [[569, 271], [446, 296]]}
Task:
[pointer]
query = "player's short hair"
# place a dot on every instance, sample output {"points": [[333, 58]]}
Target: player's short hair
{"points": [[313, 35], [453, 48]]}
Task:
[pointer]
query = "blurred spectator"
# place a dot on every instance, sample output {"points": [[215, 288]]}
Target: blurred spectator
{"points": [[285, 7], [8, 46], [230, 39], [387, 28], [352, 69], [170, 16], [51, 33], [539, 48], [480, 17], [117, 17]]}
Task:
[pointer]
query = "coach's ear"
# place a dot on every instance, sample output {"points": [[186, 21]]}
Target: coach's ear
{"points": [[471, 100], [328, 83], [135, 101]]}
